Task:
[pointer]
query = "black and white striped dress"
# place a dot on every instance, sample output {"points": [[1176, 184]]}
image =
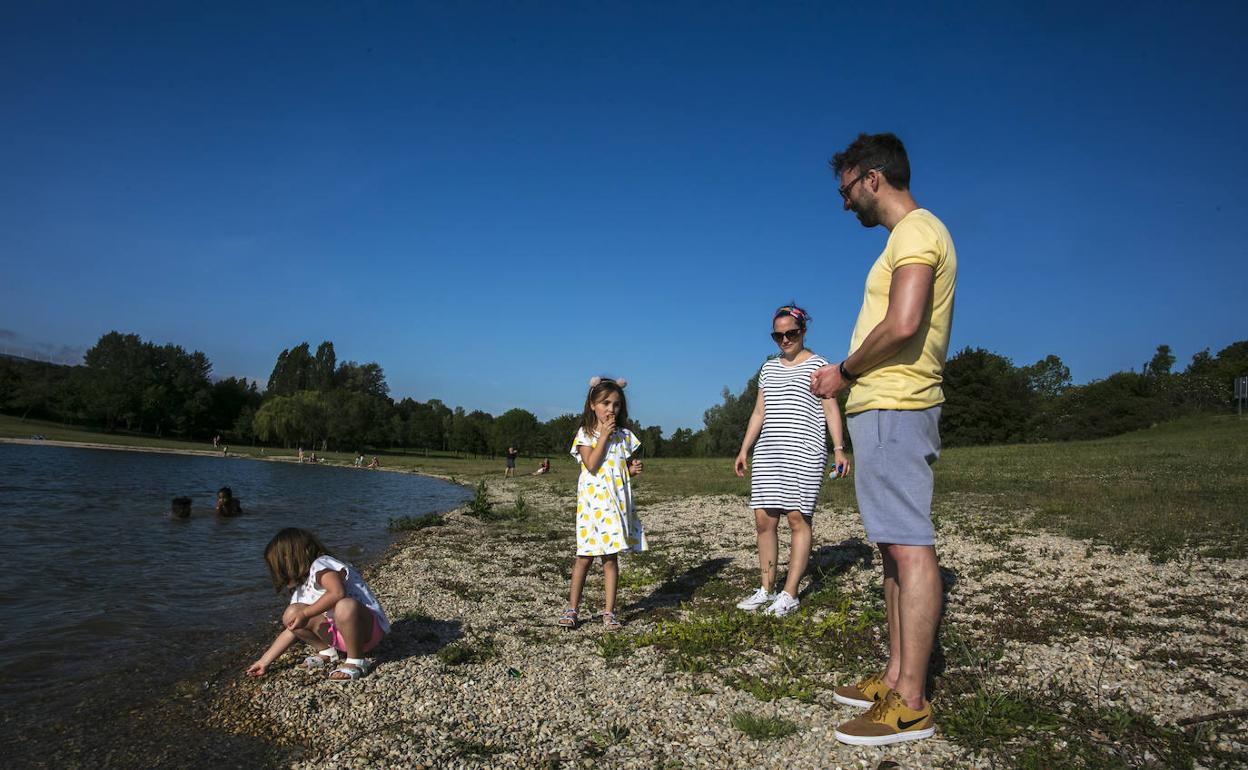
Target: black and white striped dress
{"points": [[791, 453]]}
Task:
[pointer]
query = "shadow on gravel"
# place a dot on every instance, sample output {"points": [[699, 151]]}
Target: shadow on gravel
{"points": [[415, 635], [681, 588], [829, 561]]}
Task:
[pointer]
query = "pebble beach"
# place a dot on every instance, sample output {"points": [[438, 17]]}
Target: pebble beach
{"points": [[477, 674]]}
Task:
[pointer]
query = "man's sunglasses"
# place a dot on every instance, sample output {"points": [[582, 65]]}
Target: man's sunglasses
{"points": [[791, 335], [844, 191]]}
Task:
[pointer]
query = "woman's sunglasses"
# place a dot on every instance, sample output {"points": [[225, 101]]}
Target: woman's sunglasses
{"points": [[791, 335]]}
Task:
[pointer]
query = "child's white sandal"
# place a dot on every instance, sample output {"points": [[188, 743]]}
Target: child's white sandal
{"points": [[354, 668], [323, 659]]}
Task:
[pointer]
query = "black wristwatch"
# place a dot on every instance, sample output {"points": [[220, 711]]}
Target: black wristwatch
{"points": [[845, 375]]}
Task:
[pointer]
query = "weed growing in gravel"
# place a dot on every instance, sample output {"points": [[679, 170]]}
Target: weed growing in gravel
{"points": [[614, 646], [467, 748], [762, 728], [601, 740], [1042, 729], [480, 505], [465, 652], [774, 685], [635, 578]]}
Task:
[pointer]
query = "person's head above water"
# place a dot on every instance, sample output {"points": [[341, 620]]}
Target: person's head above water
{"points": [[605, 397], [290, 555]]}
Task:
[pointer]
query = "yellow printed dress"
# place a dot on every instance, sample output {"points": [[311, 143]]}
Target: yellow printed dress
{"points": [[605, 520]]}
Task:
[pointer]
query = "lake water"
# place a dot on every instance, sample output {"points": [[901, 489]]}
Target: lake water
{"points": [[99, 579]]}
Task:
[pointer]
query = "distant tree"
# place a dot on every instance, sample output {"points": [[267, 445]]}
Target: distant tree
{"points": [[1119, 403], [368, 379], [726, 422], [558, 433], [651, 441], [680, 444], [987, 400], [293, 371], [230, 397], [1161, 362], [1048, 377], [324, 367], [518, 428], [470, 432], [115, 379]]}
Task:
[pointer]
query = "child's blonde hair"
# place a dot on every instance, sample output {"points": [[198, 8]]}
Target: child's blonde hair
{"points": [[290, 555], [599, 387]]}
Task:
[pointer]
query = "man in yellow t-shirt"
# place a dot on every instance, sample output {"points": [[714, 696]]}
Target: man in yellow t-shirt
{"points": [[894, 373]]}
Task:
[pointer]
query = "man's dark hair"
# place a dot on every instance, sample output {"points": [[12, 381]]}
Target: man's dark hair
{"points": [[883, 151]]}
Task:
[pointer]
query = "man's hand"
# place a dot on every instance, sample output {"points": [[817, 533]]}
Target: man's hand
{"points": [[827, 382]]}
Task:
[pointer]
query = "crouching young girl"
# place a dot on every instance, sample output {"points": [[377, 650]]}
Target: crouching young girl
{"points": [[331, 608]]}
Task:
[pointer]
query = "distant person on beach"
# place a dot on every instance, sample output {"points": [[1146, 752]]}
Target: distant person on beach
{"points": [[374, 463], [227, 503], [606, 522], [300, 455], [543, 468], [894, 374], [788, 430], [359, 460], [512, 454], [331, 608]]}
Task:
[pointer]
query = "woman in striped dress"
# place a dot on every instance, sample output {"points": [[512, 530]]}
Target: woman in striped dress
{"points": [[790, 426]]}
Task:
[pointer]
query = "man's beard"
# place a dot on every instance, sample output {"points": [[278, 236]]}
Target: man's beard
{"points": [[867, 215]]}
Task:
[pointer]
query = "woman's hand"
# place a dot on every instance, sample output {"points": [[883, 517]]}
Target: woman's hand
{"points": [[842, 463], [257, 669], [634, 467], [741, 465]]}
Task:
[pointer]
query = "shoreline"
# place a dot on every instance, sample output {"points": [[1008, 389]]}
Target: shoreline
{"points": [[216, 453], [166, 725]]}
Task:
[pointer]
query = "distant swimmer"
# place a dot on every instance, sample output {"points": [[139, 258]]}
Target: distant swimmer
{"points": [[227, 503], [180, 508]]}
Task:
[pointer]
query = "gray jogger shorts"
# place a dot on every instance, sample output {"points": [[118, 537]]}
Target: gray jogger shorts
{"points": [[893, 454]]}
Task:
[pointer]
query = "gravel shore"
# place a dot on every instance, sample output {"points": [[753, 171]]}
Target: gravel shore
{"points": [[1164, 640]]}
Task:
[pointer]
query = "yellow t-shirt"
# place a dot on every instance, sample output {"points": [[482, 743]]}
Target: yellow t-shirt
{"points": [[911, 378]]}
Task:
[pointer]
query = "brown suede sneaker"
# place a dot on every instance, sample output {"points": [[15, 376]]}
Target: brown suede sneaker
{"points": [[890, 720], [864, 694]]}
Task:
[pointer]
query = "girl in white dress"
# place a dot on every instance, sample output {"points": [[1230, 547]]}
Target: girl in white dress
{"points": [[606, 523]]}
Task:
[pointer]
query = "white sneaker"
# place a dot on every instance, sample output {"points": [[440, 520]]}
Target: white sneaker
{"points": [[783, 605], [759, 598]]}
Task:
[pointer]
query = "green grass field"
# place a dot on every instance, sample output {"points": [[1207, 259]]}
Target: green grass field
{"points": [[1177, 486]]}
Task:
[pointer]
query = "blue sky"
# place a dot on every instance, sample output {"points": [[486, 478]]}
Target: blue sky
{"points": [[496, 201]]}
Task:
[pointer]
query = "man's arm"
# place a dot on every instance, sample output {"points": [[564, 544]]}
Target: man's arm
{"points": [[907, 301]]}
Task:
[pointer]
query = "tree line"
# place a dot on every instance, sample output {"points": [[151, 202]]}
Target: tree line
{"points": [[314, 401]]}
